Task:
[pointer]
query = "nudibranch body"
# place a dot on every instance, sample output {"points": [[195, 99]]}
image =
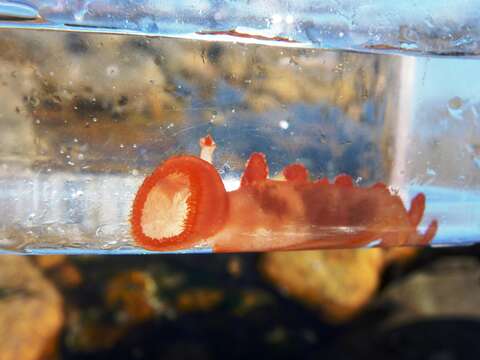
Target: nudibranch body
{"points": [[183, 203]]}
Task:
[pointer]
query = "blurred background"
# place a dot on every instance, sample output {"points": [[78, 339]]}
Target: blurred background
{"points": [[85, 117], [338, 304]]}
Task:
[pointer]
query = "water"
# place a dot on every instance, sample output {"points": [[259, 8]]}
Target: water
{"points": [[85, 116]]}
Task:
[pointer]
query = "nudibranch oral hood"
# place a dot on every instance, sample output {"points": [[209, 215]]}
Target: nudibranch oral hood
{"points": [[182, 202]]}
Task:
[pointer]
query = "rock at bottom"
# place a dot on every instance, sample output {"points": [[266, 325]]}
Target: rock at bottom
{"points": [[31, 313]]}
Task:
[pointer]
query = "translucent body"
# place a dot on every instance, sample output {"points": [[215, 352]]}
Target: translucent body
{"points": [[294, 213]]}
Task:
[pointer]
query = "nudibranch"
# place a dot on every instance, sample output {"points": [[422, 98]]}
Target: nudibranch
{"points": [[184, 204]]}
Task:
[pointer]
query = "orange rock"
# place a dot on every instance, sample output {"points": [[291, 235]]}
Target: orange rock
{"points": [[234, 266], [250, 300], [133, 294], [50, 261], [337, 282], [69, 276], [400, 255], [87, 333], [201, 299], [31, 313]]}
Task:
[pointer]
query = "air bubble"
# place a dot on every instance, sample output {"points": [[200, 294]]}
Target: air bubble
{"points": [[284, 124], [455, 105], [431, 172], [34, 101], [77, 194], [112, 70], [276, 18]]}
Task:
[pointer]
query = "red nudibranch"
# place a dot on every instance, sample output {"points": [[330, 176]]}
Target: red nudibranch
{"points": [[183, 203]]}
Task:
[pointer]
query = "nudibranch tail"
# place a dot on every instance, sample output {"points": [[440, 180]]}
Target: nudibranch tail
{"points": [[429, 234], [180, 204], [417, 208], [415, 215]]}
